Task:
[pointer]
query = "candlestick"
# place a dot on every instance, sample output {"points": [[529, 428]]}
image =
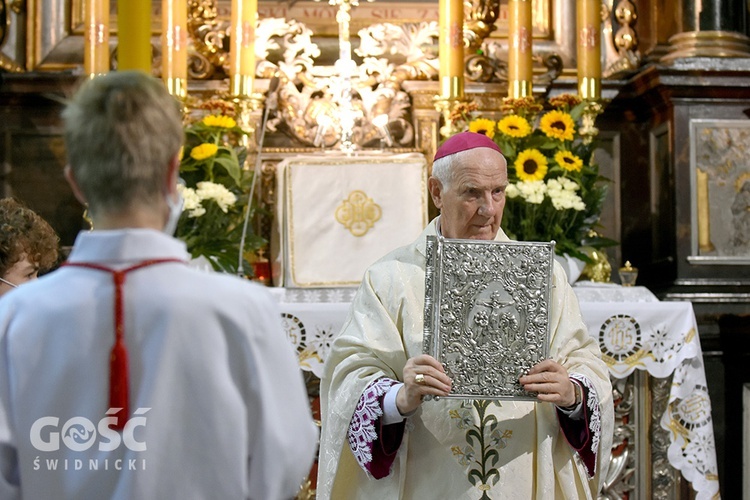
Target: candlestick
{"points": [[96, 45], [451, 48], [520, 65], [174, 46], [242, 47], [588, 23], [134, 35]]}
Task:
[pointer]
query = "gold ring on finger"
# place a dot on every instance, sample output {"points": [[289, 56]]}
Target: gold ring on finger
{"points": [[419, 378]]}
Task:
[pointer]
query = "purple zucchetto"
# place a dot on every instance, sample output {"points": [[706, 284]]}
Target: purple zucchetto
{"points": [[465, 141]]}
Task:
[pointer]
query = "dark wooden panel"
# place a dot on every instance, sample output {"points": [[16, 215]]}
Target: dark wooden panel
{"points": [[32, 149]]}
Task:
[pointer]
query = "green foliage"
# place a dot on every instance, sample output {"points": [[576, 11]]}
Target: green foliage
{"points": [[216, 191], [555, 191]]}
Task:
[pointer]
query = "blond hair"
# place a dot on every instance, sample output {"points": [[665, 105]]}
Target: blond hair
{"points": [[122, 130]]}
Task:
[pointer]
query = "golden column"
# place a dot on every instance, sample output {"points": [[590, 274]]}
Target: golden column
{"points": [[588, 24], [520, 65], [134, 35], [174, 46], [96, 44], [242, 48]]}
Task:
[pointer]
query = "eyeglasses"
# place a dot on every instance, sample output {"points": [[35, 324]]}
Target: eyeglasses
{"points": [[8, 283]]}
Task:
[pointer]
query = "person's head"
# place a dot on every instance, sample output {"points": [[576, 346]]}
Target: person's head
{"points": [[123, 134], [27, 245], [469, 177]]}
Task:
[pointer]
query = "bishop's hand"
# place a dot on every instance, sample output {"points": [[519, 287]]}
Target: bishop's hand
{"points": [[422, 375], [549, 379]]}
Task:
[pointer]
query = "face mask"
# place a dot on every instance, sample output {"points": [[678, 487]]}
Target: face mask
{"points": [[175, 211], [8, 283]]}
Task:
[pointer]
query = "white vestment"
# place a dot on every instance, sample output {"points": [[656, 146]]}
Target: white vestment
{"points": [[217, 402], [527, 455]]}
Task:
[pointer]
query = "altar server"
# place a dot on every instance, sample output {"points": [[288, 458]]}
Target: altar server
{"points": [[380, 439], [28, 245], [127, 374]]}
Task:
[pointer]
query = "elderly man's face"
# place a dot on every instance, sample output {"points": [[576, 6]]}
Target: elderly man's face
{"points": [[472, 206]]}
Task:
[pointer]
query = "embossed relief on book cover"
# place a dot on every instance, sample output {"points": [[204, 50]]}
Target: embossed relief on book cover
{"points": [[487, 313]]}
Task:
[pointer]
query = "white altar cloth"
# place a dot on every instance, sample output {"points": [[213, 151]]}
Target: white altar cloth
{"points": [[662, 339], [635, 332], [337, 214]]}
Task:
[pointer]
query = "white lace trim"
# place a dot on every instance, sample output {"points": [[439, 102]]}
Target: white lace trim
{"points": [[362, 432], [595, 422]]}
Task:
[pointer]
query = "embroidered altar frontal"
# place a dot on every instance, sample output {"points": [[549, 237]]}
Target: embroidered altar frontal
{"points": [[487, 313], [336, 215]]}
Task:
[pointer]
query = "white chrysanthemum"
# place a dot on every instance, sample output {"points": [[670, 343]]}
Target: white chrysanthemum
{"points": [[196, 212], [560, 200], [568, 184], [554, 185], [562, 193], [532, 191], [211, 191], [512, 191], [191, 201]]}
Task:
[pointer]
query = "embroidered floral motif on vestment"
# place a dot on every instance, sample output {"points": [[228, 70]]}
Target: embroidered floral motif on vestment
{"points": [[484, 439]]}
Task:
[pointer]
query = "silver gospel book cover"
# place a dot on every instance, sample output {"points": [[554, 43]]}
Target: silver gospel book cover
{"points": [[486, 314]]}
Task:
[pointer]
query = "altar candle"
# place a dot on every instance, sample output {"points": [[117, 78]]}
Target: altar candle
{"points": [[520, 65], [96, 44], [174, 46], [451, 48], [588, 28], [242, 46], [134, 35]]}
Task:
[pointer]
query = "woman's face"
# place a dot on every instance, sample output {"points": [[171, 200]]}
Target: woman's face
{"points": [[20, 272]]}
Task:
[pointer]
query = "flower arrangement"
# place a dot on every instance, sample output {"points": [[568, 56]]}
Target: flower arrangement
{"points": [[555, 191], [215, 191]]}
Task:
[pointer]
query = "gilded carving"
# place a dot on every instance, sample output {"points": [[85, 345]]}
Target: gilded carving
{"points": [[664, 477], [480, 22], [17, 7], [620, 480], [208, 35], [496, 55], [621, 41]]}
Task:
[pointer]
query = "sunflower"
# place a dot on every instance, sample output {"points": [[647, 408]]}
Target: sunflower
{"points": [[483, 126], [203, 151], [531, 165], [558, 125], [568, 161], [514, 126], [220, 121]]}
